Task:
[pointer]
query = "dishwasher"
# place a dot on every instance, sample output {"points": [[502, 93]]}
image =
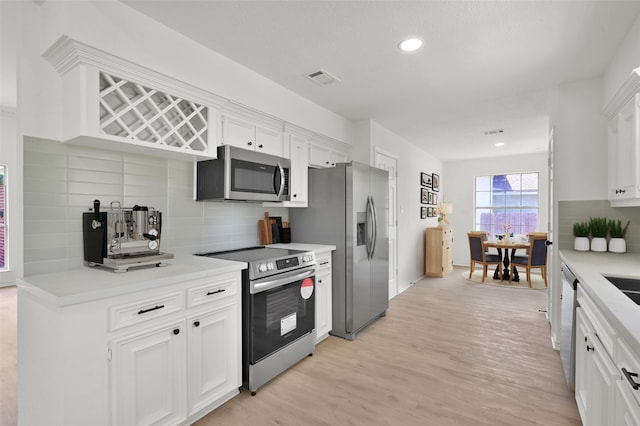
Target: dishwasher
{"points": [[567, 324]]}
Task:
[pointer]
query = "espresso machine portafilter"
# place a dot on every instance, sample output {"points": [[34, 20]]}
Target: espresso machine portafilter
{"points": [[119, 237]]}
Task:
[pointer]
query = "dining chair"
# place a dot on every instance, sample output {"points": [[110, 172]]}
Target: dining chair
{"points": [[536, 257], [479, 255]]}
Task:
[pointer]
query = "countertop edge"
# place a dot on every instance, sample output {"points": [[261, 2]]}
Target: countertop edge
{"points": [[68, 287]]}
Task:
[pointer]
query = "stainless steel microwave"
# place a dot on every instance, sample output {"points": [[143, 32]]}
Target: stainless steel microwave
{"points": [[242, 175]]}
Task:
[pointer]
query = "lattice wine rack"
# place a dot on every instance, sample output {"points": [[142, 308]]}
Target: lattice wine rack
{"points": [[133, 111]]}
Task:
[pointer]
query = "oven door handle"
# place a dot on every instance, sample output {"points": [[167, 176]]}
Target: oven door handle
{"points": [[263, 285]]}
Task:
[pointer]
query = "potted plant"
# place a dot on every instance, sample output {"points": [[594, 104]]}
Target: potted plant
{"points": [[581, 232], [617, 244], [599, 228]]}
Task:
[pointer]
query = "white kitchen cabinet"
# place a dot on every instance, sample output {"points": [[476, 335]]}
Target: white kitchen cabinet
{"points": [[596, 372], [323, 295], [213, 355], [325, 156], [249, 135], [111, 103], [134, 358], [149, 376], [623, 138], [624, 146]]}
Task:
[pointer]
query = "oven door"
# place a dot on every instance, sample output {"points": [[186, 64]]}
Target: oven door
{"points": [[281, 310]]}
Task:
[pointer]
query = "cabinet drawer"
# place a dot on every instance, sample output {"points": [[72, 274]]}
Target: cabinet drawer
{"points": [[207, 291], [121, 316], [603, 329], [323, 262]]}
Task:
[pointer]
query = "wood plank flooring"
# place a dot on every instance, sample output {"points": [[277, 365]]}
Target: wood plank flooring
{"points": [[449, 352]]}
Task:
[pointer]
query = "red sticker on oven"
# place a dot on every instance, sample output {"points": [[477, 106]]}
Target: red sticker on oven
{"points": [[306, 289]]}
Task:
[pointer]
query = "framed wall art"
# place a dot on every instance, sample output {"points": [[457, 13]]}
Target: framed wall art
{"points": [[423, 212], [424, 196], [426, 180], [434, 198], [435, 182]]}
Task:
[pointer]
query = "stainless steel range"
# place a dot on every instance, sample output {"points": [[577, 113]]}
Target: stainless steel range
{"points": [[278, 310]]}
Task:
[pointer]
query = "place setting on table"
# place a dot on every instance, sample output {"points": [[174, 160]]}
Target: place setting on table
{"points": [[507, 242]]}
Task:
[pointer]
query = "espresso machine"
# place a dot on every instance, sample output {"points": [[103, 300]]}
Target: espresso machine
{"points": [[120, 238]]}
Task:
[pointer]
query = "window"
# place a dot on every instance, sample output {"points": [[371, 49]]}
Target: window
{"points": [[2, 219], [506, 203]]}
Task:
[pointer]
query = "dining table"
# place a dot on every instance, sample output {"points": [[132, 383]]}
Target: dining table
{"points": [[512, 244]]}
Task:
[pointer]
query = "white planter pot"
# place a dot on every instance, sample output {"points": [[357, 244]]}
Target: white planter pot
{"points": [[617, 245], [581, 244], [599, 244]]}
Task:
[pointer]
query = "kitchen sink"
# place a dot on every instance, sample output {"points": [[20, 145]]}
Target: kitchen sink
{"points": [[629, 286]]}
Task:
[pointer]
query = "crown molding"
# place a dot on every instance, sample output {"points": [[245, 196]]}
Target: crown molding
{"points": [[629, 88], [66, 54]]}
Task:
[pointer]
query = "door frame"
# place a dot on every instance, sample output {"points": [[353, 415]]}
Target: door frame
{"points": [[393, 229]]}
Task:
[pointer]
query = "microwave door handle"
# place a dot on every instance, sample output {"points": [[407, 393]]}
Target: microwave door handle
{"points": [[281, 170]]}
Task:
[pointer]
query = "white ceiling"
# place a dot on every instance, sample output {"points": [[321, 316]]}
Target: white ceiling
{"points": [[485, 65]]}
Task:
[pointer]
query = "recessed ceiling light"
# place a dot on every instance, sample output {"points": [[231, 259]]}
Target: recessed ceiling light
{"points": [[499, 144], [411, 44]]}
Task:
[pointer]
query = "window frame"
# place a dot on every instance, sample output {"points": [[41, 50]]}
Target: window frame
{"points": [[503, 225]]}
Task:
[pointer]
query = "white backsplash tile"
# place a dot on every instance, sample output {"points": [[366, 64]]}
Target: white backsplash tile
{"points": [[61, 182]]}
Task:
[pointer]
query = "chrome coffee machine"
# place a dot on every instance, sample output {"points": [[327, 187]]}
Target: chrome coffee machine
{"points": [[120, 238]]}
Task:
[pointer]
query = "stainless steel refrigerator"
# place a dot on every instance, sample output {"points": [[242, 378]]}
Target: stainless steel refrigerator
{"points": [[349, 208]]}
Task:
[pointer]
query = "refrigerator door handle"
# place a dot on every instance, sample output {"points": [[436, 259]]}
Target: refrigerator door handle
{"points": [[374, 228]]}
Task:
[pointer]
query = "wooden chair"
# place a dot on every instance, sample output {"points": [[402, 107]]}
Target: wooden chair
{"points": [[479, 255], [536, 257]]}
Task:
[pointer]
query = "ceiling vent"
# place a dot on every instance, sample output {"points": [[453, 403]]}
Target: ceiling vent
{"points": [[493, 132], [323, 78]]}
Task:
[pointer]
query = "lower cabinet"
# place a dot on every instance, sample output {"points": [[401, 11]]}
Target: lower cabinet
{"points": [[323, 296], [163, 356], [149, 376], [595, 375]]}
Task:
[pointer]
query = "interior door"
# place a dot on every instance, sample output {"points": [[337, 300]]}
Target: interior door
{"points": [[389, 163], [380, 258]]}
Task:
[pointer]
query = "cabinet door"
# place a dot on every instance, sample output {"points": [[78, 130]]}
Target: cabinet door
{"points": [[269, 141], [627, 410], [582, 359], [626, 151], [238, 133], [319, 156], [214, 355], [299, 173], [149, 377], [323, 303]]}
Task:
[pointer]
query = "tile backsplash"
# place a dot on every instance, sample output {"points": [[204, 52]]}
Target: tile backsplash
{"points": [[61, 181], [570, 212]]}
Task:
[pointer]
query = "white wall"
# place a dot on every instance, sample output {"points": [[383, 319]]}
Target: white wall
{"points": [[626, 58], [411, 161], [459, 186], [580, 142]]}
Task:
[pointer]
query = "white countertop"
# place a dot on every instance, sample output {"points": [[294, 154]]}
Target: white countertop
{"points": [[622, 312], [92, 283], [302, 246]]}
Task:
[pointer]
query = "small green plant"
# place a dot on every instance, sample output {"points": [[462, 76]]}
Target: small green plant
{"points": [[581, 229], [616, 230], [598, 227]]}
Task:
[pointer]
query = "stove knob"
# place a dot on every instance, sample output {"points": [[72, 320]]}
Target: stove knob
{"points": [[262, 267]]}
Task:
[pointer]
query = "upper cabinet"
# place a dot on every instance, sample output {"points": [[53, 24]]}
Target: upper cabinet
{"points": [[247, 129], [326, 152], [111, 103], [623, 138]]}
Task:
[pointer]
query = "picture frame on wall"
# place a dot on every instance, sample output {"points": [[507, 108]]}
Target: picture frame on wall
{"points": [[423, 212], [425, 179], [429, 197], [434, 198], [435, 183], [430, 212], [424, 196]]}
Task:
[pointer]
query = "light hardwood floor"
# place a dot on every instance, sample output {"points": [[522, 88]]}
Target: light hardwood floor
{"points": [[449, 352]]}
